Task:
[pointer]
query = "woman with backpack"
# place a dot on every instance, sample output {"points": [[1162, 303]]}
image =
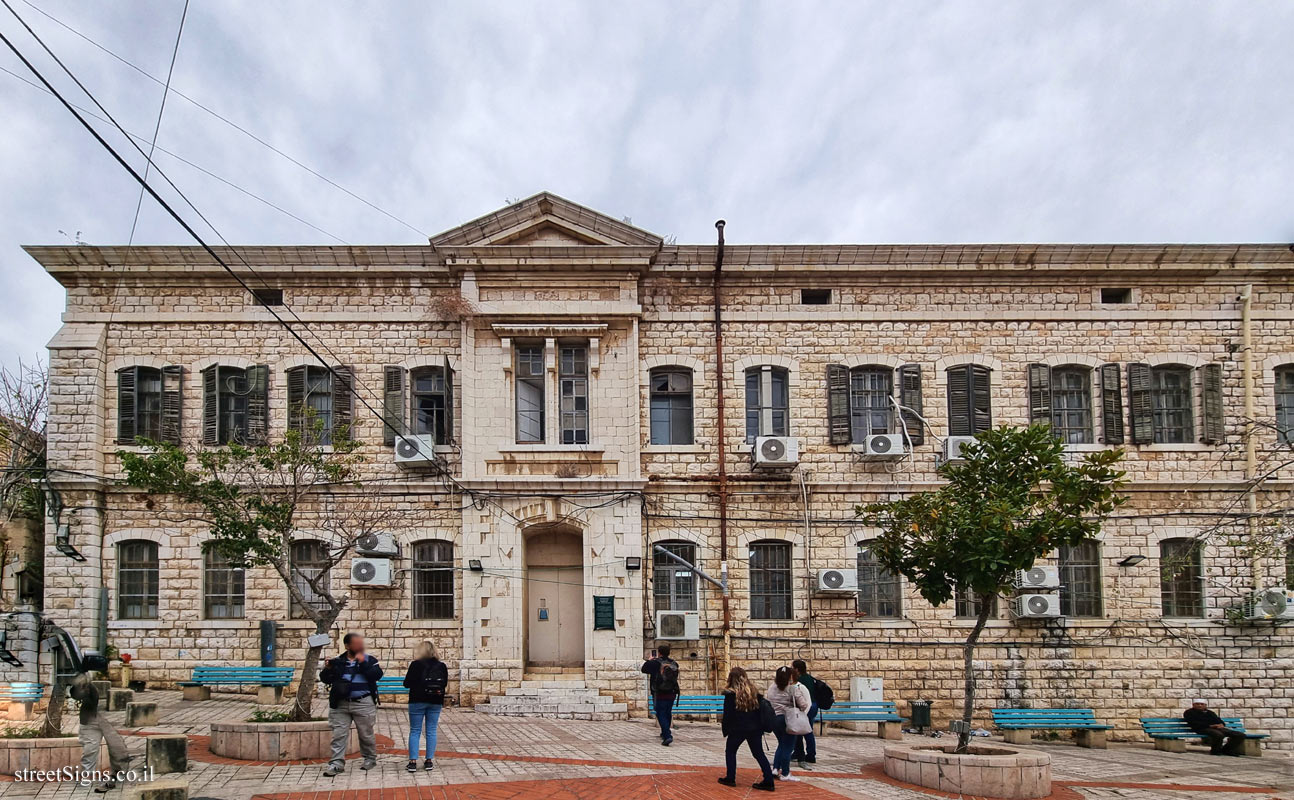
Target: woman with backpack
{"points": [[746, 717], [791, 703], [426, 680]]}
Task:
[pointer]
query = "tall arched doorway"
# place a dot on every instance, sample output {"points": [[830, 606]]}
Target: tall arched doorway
{"points": [[555, 598]]}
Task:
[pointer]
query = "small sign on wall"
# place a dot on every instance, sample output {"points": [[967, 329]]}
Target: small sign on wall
{"points": [[604, 613]]}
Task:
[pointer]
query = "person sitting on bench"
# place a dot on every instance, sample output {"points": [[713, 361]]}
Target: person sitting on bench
{"points": [[1222, 740]]}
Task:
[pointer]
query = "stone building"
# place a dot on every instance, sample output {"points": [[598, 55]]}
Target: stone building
{"points": [[564, 367]]}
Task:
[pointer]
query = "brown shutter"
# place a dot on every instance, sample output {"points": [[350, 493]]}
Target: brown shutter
{"points": [[1214, 419], [838, 428], [1111, 404], [211, 406], [393, 395], [910, 399], [981, 399], [1140, 411], [172, 400], [126, 405], [1039, 394], [258, 404], [343, 403], [296, 399], [449, 403], [959, 407]]}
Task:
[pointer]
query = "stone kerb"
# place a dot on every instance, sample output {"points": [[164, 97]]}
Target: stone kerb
{"points": [[986, 771], [275, 741]]}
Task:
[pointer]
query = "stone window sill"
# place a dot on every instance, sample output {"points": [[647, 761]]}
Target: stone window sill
{"points": [[223, 624], [432, 624], [962, 622], [512, 447], [1183, 447], [137, 624], [674, 448]]}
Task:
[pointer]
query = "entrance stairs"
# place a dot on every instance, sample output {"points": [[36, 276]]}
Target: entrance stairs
{"points": [[554, 693]]}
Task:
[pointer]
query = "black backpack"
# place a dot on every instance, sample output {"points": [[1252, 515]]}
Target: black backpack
{"points": [[435, 679], [667, 680], [767, 716], [822, 695]]}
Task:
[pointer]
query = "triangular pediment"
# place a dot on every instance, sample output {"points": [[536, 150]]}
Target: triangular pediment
{"points": [[546, 220]]}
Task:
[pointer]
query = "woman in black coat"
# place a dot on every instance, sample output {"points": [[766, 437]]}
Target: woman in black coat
{"points": [[426, 681], [743, 722]]}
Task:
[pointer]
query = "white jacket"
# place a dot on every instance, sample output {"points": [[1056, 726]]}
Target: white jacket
{"points": [[782, 699]]}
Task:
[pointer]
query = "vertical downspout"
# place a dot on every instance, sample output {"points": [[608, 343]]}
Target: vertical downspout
{"points": [[1251, 441], [721, 450]]}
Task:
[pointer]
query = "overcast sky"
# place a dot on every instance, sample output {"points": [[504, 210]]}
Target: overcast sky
{"points": [[797, 122]]}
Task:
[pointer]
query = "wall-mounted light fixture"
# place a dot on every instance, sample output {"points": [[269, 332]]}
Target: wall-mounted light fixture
{"points": [[1131, 561], [633, 562], [474, 564]]}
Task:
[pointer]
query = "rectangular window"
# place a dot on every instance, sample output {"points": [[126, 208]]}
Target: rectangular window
{"points": [[268, 297], [767, 402], [1071, 404], [1115, 296], [770, 580], [433, 580], [223, 588], [309, 561], [530, 393], [429, 403], [231, 393], [870, 407], [1181, 578], [967, 604], [671, 406], [815, 297], [1171, 403], [878, 588], [137, 580], [673, 585], [970, 409], [573, 378], [1285, 404], [1080, 580]]}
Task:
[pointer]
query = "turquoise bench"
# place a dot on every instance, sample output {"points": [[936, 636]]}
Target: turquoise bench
{"points": [[692, 705], [22, 698], [1015, 724], [889, 725], [391, 686], [271, 681], [1170, 734]]}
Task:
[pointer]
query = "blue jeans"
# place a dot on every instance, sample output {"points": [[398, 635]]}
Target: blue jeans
{"points": [[423, 715], [806, 747], [785, 744], [663, 705]]}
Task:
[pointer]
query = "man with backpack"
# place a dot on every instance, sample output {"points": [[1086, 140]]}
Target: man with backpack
{"points": [[806, 747], [663, 672]]}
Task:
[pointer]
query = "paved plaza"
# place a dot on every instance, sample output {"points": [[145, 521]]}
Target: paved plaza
{"points": [[483, 757]]}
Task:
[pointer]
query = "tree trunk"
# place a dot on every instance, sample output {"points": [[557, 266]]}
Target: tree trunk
{"points": [[301, 705], [968, 665], [52, 727]]}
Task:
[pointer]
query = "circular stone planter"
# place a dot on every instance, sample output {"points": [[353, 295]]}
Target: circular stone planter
{"points": [[985, 771], [276, 741], [20, 754]]}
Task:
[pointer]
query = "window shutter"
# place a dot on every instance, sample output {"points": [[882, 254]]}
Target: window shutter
{"points": [[126, 383], [1140, 412], [1039, 394], [343, 403], [1214, 419], [959, 409], [296, 398], [910, 399], [449, 403], [1111, 404], [172, 399], [393, 395], [258, 404], [981, 399], [838, 404], [211, 406]]}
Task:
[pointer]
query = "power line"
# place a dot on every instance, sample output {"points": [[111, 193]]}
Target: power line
{"points": [[228, 121]]}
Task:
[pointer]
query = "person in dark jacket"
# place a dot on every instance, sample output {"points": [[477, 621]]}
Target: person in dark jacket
{"points": [[93, 729], [426, 680], [352, 698], [1222, 740], [806, 746], [743, 723], [664, 690]]}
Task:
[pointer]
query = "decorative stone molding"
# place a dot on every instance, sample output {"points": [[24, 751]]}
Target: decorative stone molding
{"points": [[873, 360], [121, 362], [1071, 359], [1164, 359], [221, 361], [942, 365]]}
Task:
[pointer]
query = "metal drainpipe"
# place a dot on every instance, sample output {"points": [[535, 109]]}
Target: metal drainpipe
{"points": [[1251, 443], [721, 451]]}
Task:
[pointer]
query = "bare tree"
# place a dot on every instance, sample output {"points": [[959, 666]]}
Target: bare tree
{"points": [[24, 402]]}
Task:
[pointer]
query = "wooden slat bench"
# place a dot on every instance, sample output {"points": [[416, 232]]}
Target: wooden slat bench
{"points": [[889, 725], [392, 685], [1016, 723], [692, 705], [1171, 734], [22, 698], [271, 681]]}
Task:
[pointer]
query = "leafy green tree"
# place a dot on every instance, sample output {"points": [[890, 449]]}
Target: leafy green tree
{"points": [[1014, 499], [258, 499]]}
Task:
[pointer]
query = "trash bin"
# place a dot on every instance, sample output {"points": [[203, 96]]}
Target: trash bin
{"points": [[921, 713]]}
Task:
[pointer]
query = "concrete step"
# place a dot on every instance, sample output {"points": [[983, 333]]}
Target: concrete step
{"points": [[542, 709], [526, 691]]}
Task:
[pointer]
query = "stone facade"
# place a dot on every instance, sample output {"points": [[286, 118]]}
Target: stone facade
{"points": [[545, 273]]}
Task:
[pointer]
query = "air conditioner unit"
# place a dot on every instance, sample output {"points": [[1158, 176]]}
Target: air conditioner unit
{"points": [[377, 544], [370, 572], [414, 450], [678, 625], [953, 447], [837, 580], [776, 451], [1267, 604], [1036, 606], [883, 446], [1038, 578]]}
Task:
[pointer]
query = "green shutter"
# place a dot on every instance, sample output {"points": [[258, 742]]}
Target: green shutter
{"points": [[1214, 418], [910, 400], [1140, 409], [1111, 404], [838, 427], [211, 406], [127, 381], [258, 404], [959, 401], [981, 399], [1039, 394], [296, 399], [393, 396], [449, 404], [343, 404]]}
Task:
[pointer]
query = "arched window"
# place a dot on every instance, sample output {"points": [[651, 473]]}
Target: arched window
{"points": [[1172, 404], [768, 402], [1071, 404], [310, 561], [148, 404], [320, 402], [223, 587], [671, 405], [1181, 578], [770, 580], [1080, 579], [878, 588], [871, 409], [967, 604], [137, 579], [673, 585], [1285, 403], [433, 579]]}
